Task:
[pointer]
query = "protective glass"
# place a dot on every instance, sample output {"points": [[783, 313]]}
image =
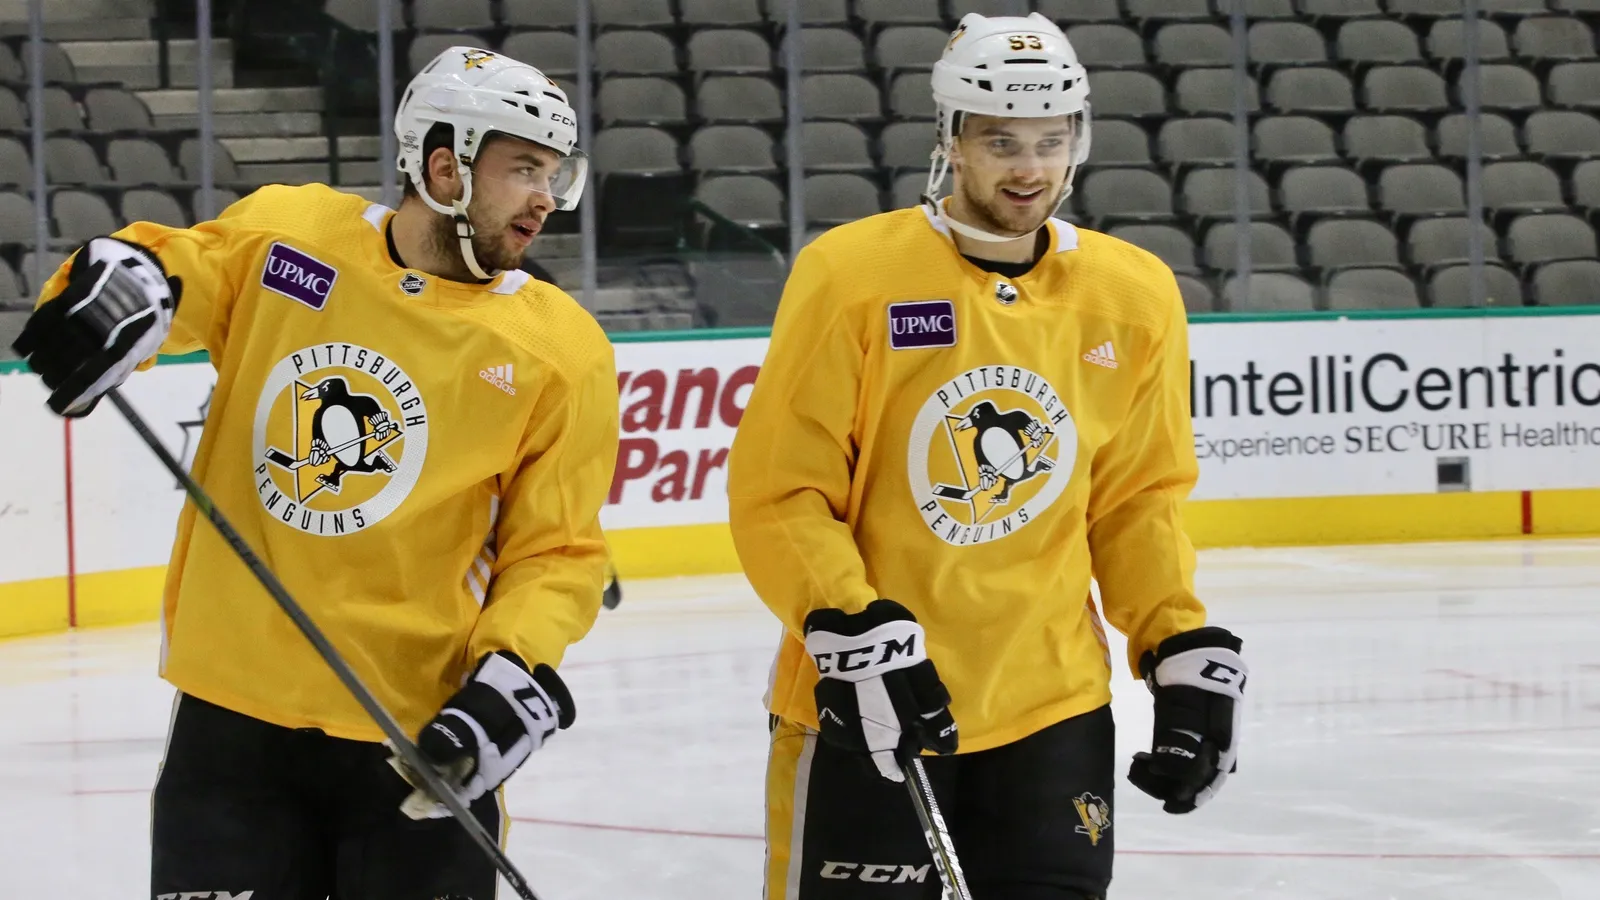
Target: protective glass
{"points": [[1021, 144], [562, 179]]}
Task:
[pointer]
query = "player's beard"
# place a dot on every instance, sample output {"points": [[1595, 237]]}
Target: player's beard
{"points": [[489, 246], [995, 217]]}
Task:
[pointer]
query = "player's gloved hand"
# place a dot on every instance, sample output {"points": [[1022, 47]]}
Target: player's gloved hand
{"points": [[113, 315], [1198, 681], [879, 692], [487, 730]]}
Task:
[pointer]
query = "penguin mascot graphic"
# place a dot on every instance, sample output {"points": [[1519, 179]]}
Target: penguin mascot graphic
{"points": [[341, 427], [1001, 447]]}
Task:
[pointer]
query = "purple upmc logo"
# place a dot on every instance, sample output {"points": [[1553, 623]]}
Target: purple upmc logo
{"points": [[298, 276], [925, 323]]}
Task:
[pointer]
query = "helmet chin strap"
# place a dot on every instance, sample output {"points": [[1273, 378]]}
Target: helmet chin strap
{"points": [[457, 211]]}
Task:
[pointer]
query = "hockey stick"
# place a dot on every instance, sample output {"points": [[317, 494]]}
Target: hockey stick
{"points": [[951, 492], [933, 829], [274, 455], [402, 744]]}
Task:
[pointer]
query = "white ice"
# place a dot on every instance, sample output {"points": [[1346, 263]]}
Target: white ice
{"points": [[1423, 722]]}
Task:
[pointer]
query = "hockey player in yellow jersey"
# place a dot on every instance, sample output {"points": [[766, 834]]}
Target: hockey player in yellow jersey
{"points": [[417, 438], [967, 411]]}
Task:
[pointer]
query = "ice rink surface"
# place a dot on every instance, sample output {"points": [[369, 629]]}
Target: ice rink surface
{"points": [[1423, 722]]}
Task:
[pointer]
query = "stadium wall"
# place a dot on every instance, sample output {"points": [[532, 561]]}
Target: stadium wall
{"points": [[1315, 428]]}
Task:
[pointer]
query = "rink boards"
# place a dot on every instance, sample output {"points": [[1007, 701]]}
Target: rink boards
{"points": [[1309, 429]]}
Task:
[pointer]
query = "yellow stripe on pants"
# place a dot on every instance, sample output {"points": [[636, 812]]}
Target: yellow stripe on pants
{"points": [[788, 780]]}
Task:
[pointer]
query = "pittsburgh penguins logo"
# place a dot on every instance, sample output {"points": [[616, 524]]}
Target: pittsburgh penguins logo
{"points": [[990, 451], [340, 435], [1095, 815], [476, 58]]}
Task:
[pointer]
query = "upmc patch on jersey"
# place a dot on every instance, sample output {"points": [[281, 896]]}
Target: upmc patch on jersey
{"points": [[923, 323], [298, 276]]}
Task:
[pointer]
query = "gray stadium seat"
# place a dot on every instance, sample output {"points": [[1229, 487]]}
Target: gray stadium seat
{"points": [[1444, 241], [909, 47], [1260, 9], [1197, 295], [1521, 186], [1451, 287], [1586, 187], [633, 13], [1185, 44], [16, 218], [1310, 90], [1340, 9], [115, 109], [1385, 139], [1575, 85], [362, 15], [13, 115], [451, 15], [1497, 137], [16, 163], [1512, 8], [1420, 190], [907, 189], [1342, 243], [1172, 245], [635, 151], [826, 50], [535, 13], [1168, 10], [836, 198], [1447, 41], [1208, 92], [140, 161], [834, 147], [1208, 194], [729, 50], [1286, 44], [80, 215], [1323, 191], [645, 101], [750, 200], [1130, 194], [1268, 292], [1576, 6], [911, 96], [68, 160], [739, 98], [152, 205], [57, 66], [1553, 38], [1271, 248], [11, 66], [732, 148], [555, 53], [1296, 140], [1080, 10], [906, 145], [721, 13], [899, 12], [1404, 89], [812, 12], [1118, 142], [1510, 88], [1202, 141], [1542, 238], [11, 296], [1562, 134], [424, 47], [845, 97], [52, 261], [1372, 289], [61, 112], [1107, 46], [1130, 94], [1424, 9], [1376, 41], [1568, 282], [221, 199], [635, 53], [225, 170]]}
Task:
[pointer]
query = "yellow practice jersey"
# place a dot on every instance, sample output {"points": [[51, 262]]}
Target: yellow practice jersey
{"points": [[974, 447], [421, 462]]}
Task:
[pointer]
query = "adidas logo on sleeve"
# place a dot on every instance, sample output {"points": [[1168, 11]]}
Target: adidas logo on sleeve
{"points": [[500, 377], [1102, 355]]}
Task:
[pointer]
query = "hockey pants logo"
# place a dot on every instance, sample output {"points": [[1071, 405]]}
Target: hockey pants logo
{"points": [[876, 874], [207, 895]]}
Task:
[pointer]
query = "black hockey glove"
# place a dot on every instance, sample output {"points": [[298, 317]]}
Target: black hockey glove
{"points": [[487, 730], [113, 315], [879, 692], [1198, 681]]}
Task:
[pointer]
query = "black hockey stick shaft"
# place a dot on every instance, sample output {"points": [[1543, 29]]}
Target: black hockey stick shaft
{"points": [[391, 729], [933, 828]]}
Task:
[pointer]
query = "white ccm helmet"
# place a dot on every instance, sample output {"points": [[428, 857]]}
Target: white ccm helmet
{"points": [[477, 93], [1009, 67]]}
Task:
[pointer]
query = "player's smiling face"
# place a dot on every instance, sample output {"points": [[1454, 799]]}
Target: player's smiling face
{"points": [[1009, 172], [510, 198]]}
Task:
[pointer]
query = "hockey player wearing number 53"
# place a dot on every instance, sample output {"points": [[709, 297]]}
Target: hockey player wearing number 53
{"points": [[417, 438], [967, 410]]}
